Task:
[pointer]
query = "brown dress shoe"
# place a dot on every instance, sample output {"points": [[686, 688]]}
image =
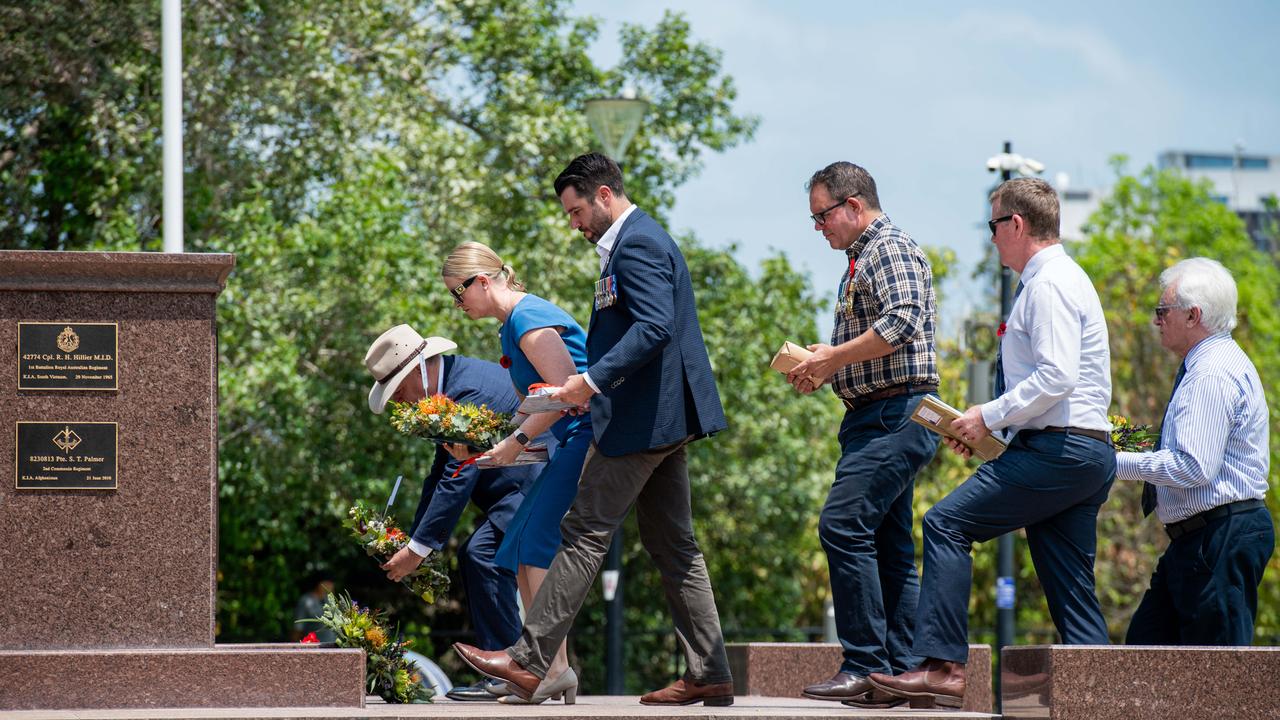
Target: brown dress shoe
{"points": [[498, 665], [933, 682], [681, 692], [841, 686]]}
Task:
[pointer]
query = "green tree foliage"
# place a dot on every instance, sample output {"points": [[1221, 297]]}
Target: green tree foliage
{"points": [[79, 121]]}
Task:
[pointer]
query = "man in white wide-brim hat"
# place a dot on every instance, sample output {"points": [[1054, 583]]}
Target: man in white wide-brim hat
{"points": [[406, 368]]}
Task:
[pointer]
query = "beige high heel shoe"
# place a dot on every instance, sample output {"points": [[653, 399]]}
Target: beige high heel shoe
{"points": [[565, 686]]}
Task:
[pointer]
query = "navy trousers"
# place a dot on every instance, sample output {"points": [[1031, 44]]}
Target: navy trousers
{"points": [[1052, 484], [491, 590], [1205, 587], [865, 529]]}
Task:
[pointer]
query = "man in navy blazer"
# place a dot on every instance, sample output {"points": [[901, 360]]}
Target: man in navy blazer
{"points": [[651, 390], [409, 368]]}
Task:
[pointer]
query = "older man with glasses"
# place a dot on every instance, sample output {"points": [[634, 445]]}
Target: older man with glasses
{"points": [[880, 362], [1208, 478]]}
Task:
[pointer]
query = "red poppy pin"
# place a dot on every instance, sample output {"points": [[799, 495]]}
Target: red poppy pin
{"points": [[1000, 330], [505, 362]]}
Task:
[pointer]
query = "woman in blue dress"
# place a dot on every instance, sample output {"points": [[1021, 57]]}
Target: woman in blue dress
{"points": [[540, 344]]}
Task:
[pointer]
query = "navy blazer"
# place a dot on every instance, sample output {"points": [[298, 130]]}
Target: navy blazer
{"points": [[498, 492], [645, 351]]}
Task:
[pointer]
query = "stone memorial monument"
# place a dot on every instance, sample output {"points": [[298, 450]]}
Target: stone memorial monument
{"points": [[109, 527]]}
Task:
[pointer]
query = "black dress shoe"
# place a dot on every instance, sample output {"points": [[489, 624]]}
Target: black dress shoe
{"points": [[841, 686], [875, 699], [472, 693]]}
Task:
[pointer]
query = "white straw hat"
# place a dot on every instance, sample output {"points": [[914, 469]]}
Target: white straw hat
{"points": [[393, 356]]}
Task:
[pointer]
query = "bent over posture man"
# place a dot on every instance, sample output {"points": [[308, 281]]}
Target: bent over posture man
{"points": [[407, 368]]}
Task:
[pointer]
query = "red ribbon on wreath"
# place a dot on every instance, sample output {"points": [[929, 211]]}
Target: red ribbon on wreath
{"points": [[465, 463], [310, 638]]}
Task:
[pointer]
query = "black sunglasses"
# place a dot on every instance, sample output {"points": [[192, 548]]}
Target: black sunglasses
{"points": [[1162, 310], [993, 223], [820, 218], [458, 291]]}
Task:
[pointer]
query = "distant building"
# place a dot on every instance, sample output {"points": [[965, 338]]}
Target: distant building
{"points": [[1240, 181], [1076, 205]]}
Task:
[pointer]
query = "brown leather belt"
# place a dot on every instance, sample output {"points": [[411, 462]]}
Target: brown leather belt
{"points": [[885, 393], [1200, 520], [1100, 435]]}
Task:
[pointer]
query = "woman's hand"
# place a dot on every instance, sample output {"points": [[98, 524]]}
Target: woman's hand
{"points": [[505, 452]]}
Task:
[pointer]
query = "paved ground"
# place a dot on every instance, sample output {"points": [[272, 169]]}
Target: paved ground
{"points": [[599, 706]]}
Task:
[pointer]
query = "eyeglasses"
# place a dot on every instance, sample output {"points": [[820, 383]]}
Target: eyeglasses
{"points": [[993, 223], [1162, 310], [461, 289], [820, 218]]}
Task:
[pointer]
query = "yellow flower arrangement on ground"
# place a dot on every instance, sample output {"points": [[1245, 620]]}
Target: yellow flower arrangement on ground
{"points": [[389, 675]]}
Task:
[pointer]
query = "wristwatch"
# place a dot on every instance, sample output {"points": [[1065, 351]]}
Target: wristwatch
{"points": [[522, 438]]}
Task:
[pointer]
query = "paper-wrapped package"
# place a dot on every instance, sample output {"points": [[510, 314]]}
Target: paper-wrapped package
{"points": [[937, 416], [790, 356]]}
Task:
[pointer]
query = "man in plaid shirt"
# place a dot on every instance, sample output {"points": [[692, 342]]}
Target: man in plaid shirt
{"points": [[880, 362]]}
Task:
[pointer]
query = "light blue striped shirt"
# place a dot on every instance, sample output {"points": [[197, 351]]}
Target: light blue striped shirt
{"points": [[1214, 443]]}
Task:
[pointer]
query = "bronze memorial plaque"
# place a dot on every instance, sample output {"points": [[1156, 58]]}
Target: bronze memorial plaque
{"points": [[68, 356], [65, 455]]}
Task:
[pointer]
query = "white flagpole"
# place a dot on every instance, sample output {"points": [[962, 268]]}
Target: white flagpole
{"points": [[171, 43]]}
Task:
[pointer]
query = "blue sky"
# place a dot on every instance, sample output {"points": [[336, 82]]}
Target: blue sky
{"points": [[922, 93]]}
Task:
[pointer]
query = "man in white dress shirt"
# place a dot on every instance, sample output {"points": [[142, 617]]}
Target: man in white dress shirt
{"points": [[1208, 478], [1053, 385]]}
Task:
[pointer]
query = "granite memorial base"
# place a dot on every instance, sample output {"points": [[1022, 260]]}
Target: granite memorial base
{"points": [[784, 669], [1109, 682], [221, 676], [109, 526]]}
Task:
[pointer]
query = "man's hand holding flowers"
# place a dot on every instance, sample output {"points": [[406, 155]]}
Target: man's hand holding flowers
{"points": [[402, 563]]}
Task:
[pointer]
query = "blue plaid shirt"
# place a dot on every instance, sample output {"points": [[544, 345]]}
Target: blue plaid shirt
{"points": [[891, 292]]}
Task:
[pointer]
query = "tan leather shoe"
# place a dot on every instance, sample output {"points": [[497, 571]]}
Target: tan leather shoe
{"points": [[933, 682], [841, 686], [681, 692], [498, 665]]}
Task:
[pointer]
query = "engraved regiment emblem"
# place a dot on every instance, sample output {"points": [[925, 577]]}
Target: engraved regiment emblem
{"points": [[68, 341], [66, 440]]}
